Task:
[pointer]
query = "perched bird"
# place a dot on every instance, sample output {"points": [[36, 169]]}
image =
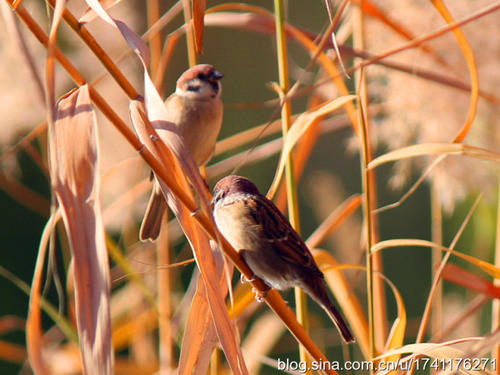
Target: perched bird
{"points": [[272, 249], [195, 107]]}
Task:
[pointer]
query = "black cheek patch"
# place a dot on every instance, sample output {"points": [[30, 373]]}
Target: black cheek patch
{"points": [[193, 87]]}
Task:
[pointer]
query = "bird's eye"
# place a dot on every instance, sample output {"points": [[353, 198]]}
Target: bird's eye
{"points": [[202, 76]]}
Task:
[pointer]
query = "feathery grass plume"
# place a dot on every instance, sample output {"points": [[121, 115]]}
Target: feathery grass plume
{"points": [[419, 111]]}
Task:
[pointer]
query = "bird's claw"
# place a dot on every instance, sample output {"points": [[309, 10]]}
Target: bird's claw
{"points": [[259, 295], [244, 279]]}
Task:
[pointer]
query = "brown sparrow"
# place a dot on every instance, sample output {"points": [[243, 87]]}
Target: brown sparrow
{"points": [[272, 249], [195, 107]]}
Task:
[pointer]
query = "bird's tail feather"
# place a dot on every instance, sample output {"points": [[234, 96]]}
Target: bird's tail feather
{"points": [[319, 293]]}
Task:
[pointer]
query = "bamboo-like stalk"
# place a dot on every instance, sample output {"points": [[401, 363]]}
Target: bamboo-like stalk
{"points": [[291, 189], [188, 20], [377, 284], [437, 238], [365, 180]]}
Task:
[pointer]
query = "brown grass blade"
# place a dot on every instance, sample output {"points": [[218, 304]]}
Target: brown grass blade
{"points": [[34, 340], [469, 280], [200, 336], [215, 294], [471, 63], [485, 266], [435, 149], [75, 181], [442, 351], [199, 7]]}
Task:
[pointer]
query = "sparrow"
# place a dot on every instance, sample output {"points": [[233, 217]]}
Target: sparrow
{"points": [[269, 245], [196, 108]]}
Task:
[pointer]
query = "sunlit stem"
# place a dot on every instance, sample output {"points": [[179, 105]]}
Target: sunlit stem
{"points": [[368, 229], [188, 19], [293, 211]]}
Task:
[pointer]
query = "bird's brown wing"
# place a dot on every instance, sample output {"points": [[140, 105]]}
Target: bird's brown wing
{"points": [[282, 237]]}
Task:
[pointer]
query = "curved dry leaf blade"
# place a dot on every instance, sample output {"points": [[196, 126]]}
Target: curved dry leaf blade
{"points": [[75, 180], [199, 7], [397, 333], [298, 128], [215, 293], [441, 351], [433, 149], [485, 266], [199, 337], [469, 280], [34, 342], [469, 58]]}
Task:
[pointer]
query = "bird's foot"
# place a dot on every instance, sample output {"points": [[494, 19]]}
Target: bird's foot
{"points": [[244, 279], [259, 295]]}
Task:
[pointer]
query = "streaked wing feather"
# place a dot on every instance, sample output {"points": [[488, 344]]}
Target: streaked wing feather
{"points": [[280, 234]]}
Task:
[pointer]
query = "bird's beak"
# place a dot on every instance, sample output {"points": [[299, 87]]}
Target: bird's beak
{"points": [[216, 75]]}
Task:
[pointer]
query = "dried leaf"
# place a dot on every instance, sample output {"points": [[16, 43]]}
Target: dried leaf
{"points": [[75, 180], [485, 266], [435, 149], [469, 57], [442, 351], [200, 336], [469, 280]]}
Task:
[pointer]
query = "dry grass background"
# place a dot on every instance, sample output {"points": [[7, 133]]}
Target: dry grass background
{"points": [[404, 94]]}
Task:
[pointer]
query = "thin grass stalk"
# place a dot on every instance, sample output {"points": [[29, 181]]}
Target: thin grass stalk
{"points": [[495, 314], [379, 298], [291, 189], [437, 237], [166, 345], [153, 10], [365, 180], [188, 20]]}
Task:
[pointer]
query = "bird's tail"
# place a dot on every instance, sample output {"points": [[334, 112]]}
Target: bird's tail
{"points": [[151, 224], [319, 293]]}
